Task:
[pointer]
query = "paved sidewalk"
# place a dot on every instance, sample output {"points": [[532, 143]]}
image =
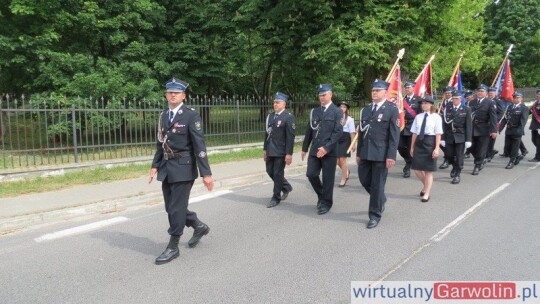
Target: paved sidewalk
{"points": [[81, 201]]}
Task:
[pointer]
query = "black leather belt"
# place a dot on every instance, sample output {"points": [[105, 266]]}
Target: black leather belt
{"points": [[168, 156]]}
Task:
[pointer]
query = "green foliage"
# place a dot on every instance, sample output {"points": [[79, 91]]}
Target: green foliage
{"points": [[128, 49], [518, 23]]}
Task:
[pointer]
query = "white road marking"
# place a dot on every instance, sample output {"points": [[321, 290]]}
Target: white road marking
{"points": [[443, 232], [208, 196], [116, 220], [80, 229]]}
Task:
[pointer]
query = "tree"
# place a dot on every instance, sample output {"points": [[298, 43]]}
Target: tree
{"points": [[518, 23]]}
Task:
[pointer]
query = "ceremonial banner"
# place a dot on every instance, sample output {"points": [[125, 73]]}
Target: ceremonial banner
{"points": [[504, 84], [456, 83], [395, 94], [423, 81]]}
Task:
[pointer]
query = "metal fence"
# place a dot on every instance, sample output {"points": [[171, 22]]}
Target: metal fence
{"points": [[58, 130]]}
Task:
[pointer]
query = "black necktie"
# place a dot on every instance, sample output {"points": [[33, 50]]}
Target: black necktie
{"points": [[423, 127], [171, 115], [374, 107]]}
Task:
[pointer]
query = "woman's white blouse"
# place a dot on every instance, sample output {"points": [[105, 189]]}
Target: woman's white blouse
{"points": [[433, 124], [349, 126]]}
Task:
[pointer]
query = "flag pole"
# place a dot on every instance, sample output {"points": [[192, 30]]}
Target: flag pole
{"points": [[392, 70], [456, 68], [502, 64], [451, 78], [430, 60]]}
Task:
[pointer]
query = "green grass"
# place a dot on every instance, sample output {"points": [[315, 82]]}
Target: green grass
{"points": [[100, 174]]}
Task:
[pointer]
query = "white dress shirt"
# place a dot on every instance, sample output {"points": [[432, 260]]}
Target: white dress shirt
{"points": [[433, 124]]}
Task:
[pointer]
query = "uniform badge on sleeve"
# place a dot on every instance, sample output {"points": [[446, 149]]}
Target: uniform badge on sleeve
{"points": [[198, 125], [202, 154], [293, 126], [397, 122]]}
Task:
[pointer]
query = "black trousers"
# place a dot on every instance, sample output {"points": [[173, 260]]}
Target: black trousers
{"points": [[324, 189], [176, 196], [479, 148], [275, 167], [507, 148], [513, 143], [456, 153], [372, 176], [491, 147], [404, 148], [536, 141]]}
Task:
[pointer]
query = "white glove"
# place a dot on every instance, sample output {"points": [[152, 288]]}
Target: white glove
{"points": [[538, 131], [443, 143], [468, 144]]}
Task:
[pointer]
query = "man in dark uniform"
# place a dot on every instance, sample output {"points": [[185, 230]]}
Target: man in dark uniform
{"points": [[492, 94], [378, 139], [457, 134], [535, 126], [278, 147], [322, 133], [180, 150], [516, 119], [469, 96], [484, 115], [448, 91], [411, 106]]}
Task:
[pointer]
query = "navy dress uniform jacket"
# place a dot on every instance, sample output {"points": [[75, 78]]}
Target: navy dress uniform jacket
{"points": [[183, 135], [328, 130], [484, 115], [516, 119], [382, 138], [500, 108], [459, 128], [414, 103], [279, 136], [535, 124]]}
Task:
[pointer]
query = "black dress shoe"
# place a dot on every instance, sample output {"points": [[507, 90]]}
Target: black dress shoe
{"points": [[323, 210], [200, 230], [510, 165], [534, 160], [407, 170], [425, 200], [467, 155], [456, 180], [503, 155], [517, 160], [168, 255], [372, 224], [285, 194], [476, 170], [444, 165], [453, 172], [272, 203], [407, 174], [525, 153]]}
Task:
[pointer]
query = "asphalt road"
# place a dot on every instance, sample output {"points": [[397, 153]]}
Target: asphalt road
{"points": [[289, 254]]}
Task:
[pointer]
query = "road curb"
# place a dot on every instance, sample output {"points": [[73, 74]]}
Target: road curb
{"points": [[120, 204]]}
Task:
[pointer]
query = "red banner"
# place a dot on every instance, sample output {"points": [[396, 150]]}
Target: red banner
{"points": [[423, 82], [395, 94], [507, 87]]}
